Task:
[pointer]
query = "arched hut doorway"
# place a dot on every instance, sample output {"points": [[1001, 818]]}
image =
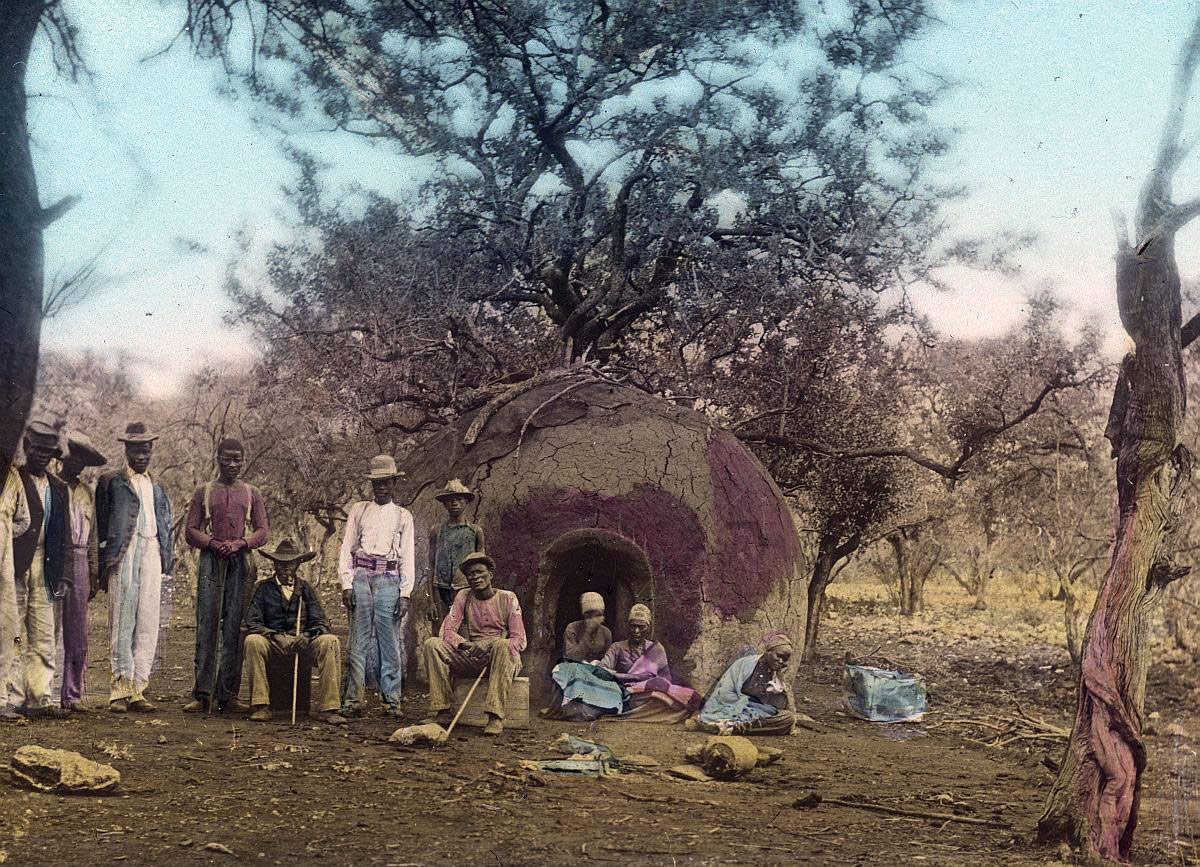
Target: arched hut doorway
{"points": [[579, 561]]}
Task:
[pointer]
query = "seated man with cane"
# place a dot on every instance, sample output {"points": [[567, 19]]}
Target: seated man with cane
{"points": [[495, 637], [285, 618]]}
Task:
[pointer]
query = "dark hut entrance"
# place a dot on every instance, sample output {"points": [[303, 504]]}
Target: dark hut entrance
{"points": [[599, 561]]}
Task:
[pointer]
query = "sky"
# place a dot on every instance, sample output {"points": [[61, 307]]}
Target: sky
{"points": [[1058, 106]]}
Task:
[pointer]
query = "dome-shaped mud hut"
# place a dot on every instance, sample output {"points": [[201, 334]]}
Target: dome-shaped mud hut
{"points": [[585, 484]]}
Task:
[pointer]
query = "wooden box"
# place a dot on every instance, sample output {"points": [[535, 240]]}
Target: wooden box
{"points": [[516, 713]]}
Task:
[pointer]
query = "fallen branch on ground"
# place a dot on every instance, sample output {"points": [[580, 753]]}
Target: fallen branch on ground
{"points": [[814, 800]]}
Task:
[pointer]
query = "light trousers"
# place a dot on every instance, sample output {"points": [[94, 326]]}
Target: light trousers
{"points": [[441, 660], [326, 653], [134, 597], [29, 681]]}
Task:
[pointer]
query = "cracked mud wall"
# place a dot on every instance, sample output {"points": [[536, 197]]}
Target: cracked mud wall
{"points": [[724, 556]]}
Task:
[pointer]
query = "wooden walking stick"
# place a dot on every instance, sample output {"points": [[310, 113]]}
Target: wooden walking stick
{"points": [[296, 658], [466, 701]]}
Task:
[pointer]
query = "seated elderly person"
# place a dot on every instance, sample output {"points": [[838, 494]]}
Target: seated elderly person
{"points": [[587, 640], [495, 637], [278, 603], [632, 681], [752, 696]]}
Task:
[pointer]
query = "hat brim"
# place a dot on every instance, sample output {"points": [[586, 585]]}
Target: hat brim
{"points": [[45, 443], [137, 438], [87, 454], [376, 477], [302, 556], [443, 497], [477, 558]]}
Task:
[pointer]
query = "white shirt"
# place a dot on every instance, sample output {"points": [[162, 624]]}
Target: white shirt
{"points": [[42, 484], [147, 526], [379, 531]]}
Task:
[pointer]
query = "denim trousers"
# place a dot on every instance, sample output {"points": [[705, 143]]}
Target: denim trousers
{"points": [[376, 637], [225, 614]]}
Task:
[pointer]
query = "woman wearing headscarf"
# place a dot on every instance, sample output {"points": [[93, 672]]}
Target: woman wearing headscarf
{"points": [[632, 681], [752, 696], [640, 665]]}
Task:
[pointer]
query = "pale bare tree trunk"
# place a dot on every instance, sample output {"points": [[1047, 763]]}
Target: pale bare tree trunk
{"points": [[21, 223], [1094, 802]]}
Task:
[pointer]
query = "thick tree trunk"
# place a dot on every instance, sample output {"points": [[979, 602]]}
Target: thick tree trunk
{"points": [[1094, 802], [21, 219]]}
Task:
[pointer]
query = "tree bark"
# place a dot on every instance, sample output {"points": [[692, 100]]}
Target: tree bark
{"points": [[21, 222], [1094, 801], [829, 552]]}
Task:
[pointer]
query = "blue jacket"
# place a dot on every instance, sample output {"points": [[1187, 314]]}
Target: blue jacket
{"points": [[116, 521], [58, 567]]}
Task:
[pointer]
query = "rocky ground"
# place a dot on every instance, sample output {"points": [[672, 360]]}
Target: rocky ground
{"points": [[220, 790]]}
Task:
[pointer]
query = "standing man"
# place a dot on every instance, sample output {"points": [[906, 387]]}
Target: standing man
{"points": [[71, 612], [42, 560], [494, 640], [377, 573], [133, 519], [226, 521], [449, 543], [14, 520]]}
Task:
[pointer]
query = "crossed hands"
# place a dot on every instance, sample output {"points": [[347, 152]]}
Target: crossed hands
{"points": [[290, 643], [226, 549], [477, 653]]}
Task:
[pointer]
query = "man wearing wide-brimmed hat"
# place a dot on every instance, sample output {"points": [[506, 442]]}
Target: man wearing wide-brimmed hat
{"points": [[44, 571], [226, 521], [278, 604], [494, 639], [71, 612], [14, 520], [376, 570], [133, 519], [449, 543]]}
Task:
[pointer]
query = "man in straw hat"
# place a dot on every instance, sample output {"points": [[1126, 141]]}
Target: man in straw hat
{"points": [[271, 622], [44, 572], [14, 520], [377, 573], [494, 640], [226, 521], [449, 543], [133, 520], [71, 612]]}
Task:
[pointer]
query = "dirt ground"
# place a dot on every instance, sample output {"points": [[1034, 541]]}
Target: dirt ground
{"points": [[270, 793]]}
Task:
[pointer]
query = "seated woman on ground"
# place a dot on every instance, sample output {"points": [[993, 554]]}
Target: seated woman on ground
{"points": [[633, 681], [592, 692], [752, 696], [587, 640], [641, 666]]}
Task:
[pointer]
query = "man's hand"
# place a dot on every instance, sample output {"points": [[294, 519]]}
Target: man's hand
{"points": [[348, 599], [402, 606], [432, 612], [475, 652], [593, 623], [287, 642], [221, 549], [93, 587]]}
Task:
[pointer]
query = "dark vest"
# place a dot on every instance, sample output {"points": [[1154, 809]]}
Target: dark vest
{"points": [[57, 530]]}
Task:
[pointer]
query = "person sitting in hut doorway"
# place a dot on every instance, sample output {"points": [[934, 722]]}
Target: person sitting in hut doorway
{"points": [[14, 520], [71, 614], [226, 521], [752, 696], [495, 637], [588, 639], [44, 573], [377, 574], [278, 604], [449, 543], [133, 520], [631, 682]]}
